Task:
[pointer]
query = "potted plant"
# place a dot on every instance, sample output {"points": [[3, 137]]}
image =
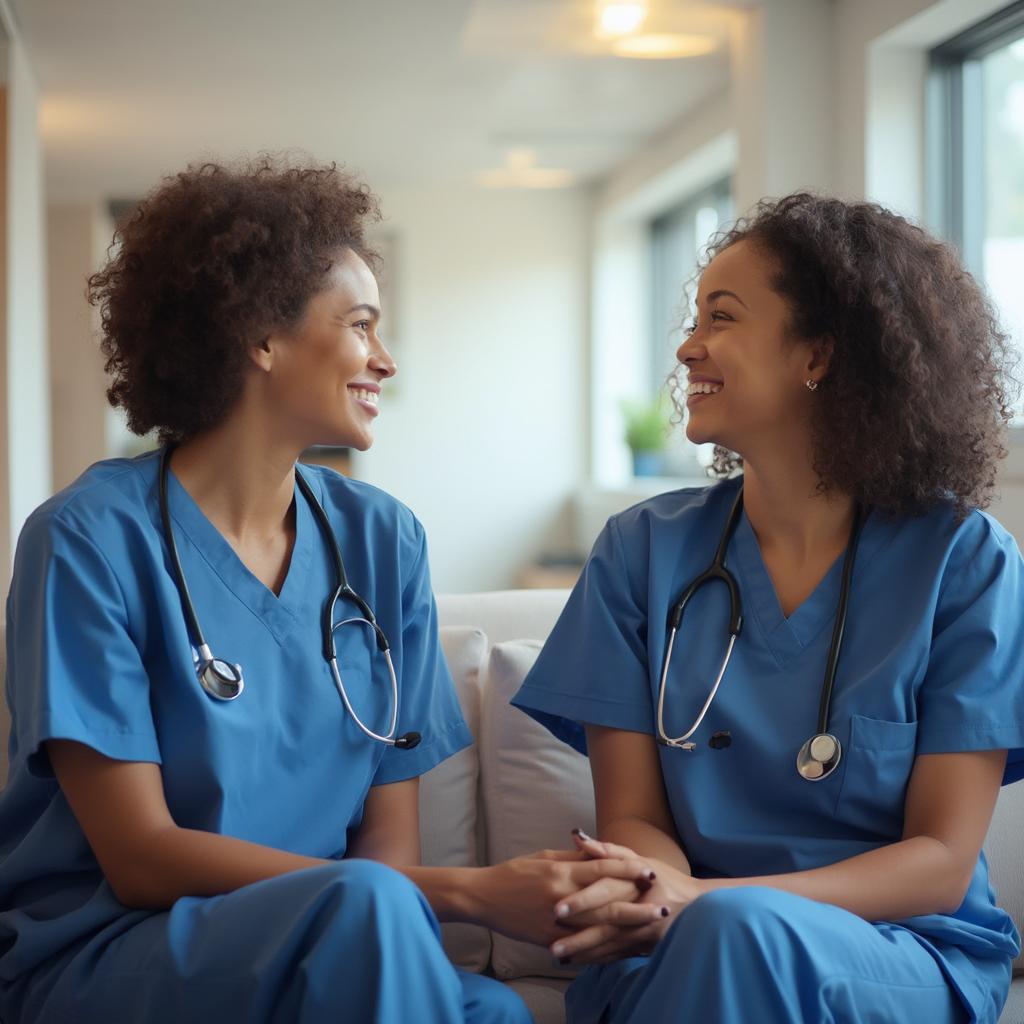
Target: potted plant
{"points": [[647, 428]]}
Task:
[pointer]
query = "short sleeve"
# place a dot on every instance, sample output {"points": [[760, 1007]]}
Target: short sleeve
{"points": [[594, 667], [972, 697], [428, 704], [74, 671]]}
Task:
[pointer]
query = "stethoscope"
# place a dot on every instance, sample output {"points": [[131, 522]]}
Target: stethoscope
{"points": [[224, 681], [820, 755]]}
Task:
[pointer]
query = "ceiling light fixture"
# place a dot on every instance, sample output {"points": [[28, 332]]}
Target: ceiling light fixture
{"points": [[663, 46], [521, 171], [619, 17]]}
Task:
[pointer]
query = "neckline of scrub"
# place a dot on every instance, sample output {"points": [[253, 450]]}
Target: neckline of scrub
{"points": [[788, 637], [279, 612]]}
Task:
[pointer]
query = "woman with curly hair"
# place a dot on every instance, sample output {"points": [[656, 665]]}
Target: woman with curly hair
{"points": [[185, 838], [807, 746]]}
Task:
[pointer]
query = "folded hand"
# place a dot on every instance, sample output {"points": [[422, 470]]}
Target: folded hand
{"points": [[605, 928], [518, 896]]}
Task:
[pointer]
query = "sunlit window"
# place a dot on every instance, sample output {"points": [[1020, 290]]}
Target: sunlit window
{"points": [[977, 158]]}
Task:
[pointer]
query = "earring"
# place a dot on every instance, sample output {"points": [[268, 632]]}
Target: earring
{"points": [[811, 384]]}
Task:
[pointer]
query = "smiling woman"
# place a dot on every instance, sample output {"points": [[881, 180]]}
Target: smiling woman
{"points": [[918, 390], [211, 262], [811, 753], [185, 837]]}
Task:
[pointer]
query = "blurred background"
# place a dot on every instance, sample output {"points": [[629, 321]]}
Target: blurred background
{"points": [[549, 171]]}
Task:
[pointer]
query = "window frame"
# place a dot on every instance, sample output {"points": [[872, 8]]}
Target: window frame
{"points": [[955, 137], [955, 141]]}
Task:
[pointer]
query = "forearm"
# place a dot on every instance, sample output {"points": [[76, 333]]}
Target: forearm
{"points": [[176, 862], [390, 832], [185, 862], [647, 840], [454, 894], [905, 879]]}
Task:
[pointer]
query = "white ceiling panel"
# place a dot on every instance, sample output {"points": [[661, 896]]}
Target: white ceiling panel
{"points": [[405, 91]]}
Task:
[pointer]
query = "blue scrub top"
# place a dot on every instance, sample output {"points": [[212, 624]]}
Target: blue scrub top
{"points": [[931, 663], [99, 652]]}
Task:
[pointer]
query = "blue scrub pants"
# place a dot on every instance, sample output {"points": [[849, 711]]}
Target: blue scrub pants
{"points": [[755, 954], [353, 941]]}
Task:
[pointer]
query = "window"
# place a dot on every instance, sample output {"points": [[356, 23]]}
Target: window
{"points": [[678, 240], [976, 129]]}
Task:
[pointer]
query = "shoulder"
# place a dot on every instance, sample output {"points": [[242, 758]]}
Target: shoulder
{"points": [[957, 544], [106, 491], [675, 512], [346, 500]]}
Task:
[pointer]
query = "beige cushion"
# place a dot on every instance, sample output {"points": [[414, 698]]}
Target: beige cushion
{"points": [[535, 790], [448, 796], [544, 998]]}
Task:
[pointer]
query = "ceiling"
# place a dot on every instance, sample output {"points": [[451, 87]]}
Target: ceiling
{"points": [[405, 92]]}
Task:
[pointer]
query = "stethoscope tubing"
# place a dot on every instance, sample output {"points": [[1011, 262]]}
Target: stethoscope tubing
{"points": [[809, 765], [222, 671]]}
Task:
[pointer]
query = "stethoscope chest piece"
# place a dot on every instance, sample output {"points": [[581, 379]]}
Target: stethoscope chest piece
{"points": [[217, 677], [818, 757]]}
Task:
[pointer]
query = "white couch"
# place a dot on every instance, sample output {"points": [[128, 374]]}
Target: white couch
{"points": [[518, 789]]}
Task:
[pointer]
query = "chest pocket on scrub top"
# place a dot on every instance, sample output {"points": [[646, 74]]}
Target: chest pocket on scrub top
{"points": [[879, 759]]}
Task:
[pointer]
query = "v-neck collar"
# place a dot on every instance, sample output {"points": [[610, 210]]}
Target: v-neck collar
{"points": [[280, 613], [786, 637]]}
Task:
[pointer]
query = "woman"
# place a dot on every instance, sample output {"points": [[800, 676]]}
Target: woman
{"points": [[812, 867], [185, 838]]}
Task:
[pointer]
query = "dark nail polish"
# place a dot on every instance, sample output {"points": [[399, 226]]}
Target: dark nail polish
{"points": [[642, 884], [651, 875], [563, 960], [664, 911]]}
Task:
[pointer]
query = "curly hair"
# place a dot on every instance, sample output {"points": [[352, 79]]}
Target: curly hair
{"points": [[211, 262], [919, 389]]}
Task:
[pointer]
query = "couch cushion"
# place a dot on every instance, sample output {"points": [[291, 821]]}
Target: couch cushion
{"points": [[1004, 849], [544, 998], [535, 790], [448, 796]]}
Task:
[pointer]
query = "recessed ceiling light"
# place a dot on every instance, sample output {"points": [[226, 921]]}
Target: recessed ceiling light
{"points": [[619, 17], [663, 46]]}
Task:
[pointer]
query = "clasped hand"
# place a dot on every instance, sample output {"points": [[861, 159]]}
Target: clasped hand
{"points": [[616, 916]]}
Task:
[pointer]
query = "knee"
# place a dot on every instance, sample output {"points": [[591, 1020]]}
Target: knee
{"points": [[754, 911], [367, 887]]}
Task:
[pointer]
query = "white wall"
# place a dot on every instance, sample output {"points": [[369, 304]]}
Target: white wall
{"points": [[783, 87], [27, 435], [77, 235], [484, 437]]}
